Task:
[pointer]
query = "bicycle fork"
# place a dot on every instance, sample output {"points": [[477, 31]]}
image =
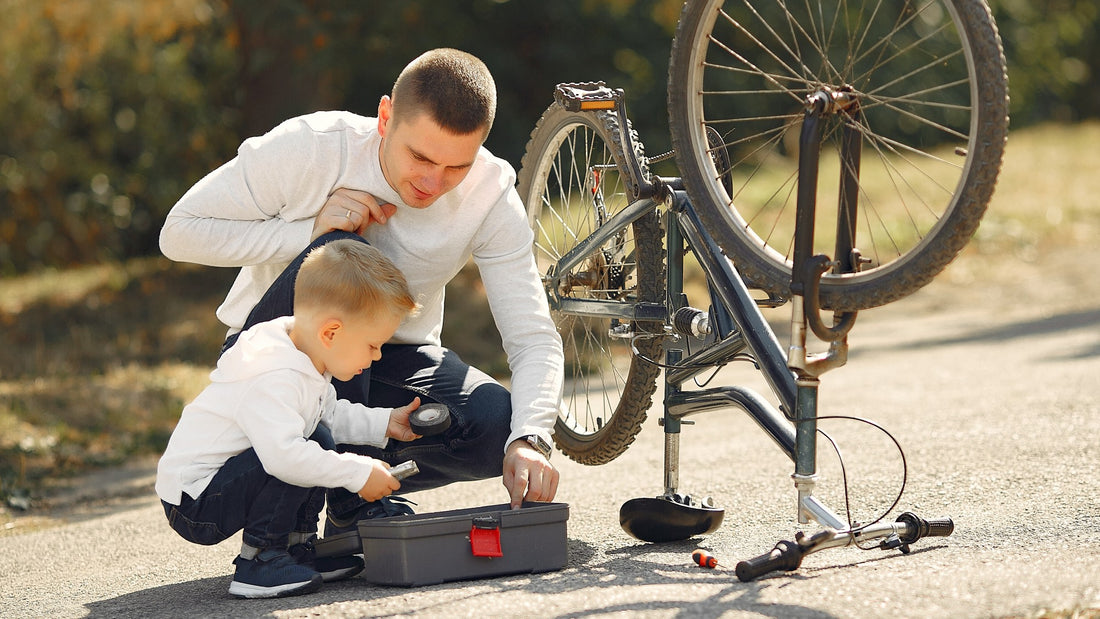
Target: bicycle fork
{"points": [[806, 276]]}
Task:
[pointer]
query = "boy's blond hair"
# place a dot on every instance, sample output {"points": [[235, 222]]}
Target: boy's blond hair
{"points": [[353, 278]]}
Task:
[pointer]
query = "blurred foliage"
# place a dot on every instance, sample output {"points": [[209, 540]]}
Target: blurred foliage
{"points": [[111, 109], [1053, 51]]}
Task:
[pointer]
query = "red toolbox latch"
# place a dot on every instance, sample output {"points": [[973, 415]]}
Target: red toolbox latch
{"points": [[485, 537]]}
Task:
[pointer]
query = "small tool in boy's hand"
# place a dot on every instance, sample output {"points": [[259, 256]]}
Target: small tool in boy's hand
{"points": [[405, 469]]}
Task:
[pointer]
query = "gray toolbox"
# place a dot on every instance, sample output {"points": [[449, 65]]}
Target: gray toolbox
{"points": [[462, 544]]}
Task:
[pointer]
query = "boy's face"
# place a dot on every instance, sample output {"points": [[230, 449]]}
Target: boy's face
{"points": [[421, 160], [358, 343]]}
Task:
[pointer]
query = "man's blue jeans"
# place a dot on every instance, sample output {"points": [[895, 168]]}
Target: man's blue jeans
{"points": [[243, 496], [481, 408]]}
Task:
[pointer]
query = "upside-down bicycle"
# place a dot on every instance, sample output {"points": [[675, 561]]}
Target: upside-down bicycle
{"points": [[898, 108]]}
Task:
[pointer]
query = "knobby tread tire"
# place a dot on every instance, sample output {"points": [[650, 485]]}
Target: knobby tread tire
{"points": [[620, 429], [922, 262]]}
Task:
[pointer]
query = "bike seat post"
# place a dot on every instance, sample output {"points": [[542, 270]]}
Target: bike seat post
{"points": [[674, 282], [805, 414], [672, 431]]}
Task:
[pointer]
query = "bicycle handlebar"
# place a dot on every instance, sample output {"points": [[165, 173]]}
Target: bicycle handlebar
{"points": [[917, 527], [786, 555]]}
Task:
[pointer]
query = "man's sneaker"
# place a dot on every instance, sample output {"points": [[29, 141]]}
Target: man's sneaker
{"points": [[273, 573], [386, 507], [330, 568]]}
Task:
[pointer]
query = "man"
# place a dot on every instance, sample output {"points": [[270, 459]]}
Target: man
{"points": [[416, 183]]}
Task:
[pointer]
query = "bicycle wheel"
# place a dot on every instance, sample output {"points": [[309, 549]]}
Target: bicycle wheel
{"points": [[930, 81], [570, 182]]}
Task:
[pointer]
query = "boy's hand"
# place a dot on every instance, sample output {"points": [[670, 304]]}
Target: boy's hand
{"points": [[398, 427], [379, 484]]}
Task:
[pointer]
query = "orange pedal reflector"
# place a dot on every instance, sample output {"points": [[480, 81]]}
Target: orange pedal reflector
{"points": [[597, 105]]}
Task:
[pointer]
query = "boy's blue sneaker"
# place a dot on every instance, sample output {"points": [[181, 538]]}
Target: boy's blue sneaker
{"points": [[386, 507], [273, 573], [330, 568]]}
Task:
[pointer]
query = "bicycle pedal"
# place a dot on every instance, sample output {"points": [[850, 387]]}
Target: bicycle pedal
{"points": [[578, 96]]}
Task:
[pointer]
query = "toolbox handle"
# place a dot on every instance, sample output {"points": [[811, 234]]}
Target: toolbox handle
{"points": [[486, 521]]}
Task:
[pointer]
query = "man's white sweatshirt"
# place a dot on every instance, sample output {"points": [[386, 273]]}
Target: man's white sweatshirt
{"points": [[256, 212]]}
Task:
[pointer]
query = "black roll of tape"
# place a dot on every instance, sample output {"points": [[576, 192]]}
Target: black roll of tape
{"points": [[430, 419]]}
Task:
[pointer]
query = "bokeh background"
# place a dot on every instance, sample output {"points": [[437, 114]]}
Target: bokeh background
{"points": [[111, 109]]}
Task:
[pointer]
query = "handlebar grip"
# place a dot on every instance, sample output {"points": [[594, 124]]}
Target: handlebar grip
{"points": [[785, 556], [940, 527], [919, 527]]}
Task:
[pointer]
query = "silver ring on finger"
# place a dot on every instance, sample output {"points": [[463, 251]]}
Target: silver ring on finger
{"points": [[347, 215]]}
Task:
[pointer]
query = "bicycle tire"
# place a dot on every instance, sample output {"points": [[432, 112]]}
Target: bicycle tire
{"points": [[605, 402], [933, 88]]}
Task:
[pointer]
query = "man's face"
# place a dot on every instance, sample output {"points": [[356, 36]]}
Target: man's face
{"points": [[421, 160]]}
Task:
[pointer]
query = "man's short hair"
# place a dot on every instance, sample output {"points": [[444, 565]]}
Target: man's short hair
{"points": [[455, 88], [351, 277]]}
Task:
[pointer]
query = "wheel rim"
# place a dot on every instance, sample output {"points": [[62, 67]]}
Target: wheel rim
{"points": [[919, 126], [579, 175]]}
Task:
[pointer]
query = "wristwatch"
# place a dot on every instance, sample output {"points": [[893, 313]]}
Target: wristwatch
{"points": [[539, 444]]}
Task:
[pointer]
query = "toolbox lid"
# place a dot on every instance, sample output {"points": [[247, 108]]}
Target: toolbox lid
{"points": [[460, 520]]}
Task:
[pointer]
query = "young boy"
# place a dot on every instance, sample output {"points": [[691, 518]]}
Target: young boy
{"points": [[255, 449]]}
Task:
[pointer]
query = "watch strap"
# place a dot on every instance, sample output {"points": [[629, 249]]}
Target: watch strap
{"points": [[540, 445]]}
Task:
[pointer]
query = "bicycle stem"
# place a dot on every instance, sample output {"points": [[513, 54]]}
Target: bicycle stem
{"points": [[807, 269], [806, 274]]}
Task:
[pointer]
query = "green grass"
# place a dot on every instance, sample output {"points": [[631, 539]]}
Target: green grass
{"points": [[96, 362]]}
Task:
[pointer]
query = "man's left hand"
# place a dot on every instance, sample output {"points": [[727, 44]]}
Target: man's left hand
{"points": [[528, 476]]}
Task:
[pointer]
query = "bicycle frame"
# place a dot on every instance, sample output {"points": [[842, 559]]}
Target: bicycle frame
{"points": [[737, 326], [740, 324]]}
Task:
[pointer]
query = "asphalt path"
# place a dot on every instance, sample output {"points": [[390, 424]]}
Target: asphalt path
{"points": [[991, 392]]}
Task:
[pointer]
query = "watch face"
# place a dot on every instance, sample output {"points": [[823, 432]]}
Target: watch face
{"points": [[539, 444]]}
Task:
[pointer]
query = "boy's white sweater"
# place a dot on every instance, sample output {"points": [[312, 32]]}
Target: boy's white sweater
{"points": [[256, 212], [267, 394]]}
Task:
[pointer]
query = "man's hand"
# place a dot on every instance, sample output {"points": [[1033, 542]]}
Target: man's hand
{"points": [[398, 427], [527, 475], [350, 210]]}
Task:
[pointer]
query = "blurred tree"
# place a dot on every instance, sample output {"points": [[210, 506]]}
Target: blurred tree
{"points": [[111, 109], [1053, 51], [302, 55], [114, 107]]}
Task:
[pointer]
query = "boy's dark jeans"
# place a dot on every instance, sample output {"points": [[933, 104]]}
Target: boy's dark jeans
{"points": [[481, 408], [243, 496]]}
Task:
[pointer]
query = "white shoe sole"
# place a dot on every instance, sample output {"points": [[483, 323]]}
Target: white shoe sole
{"points": [[245, 590]]}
